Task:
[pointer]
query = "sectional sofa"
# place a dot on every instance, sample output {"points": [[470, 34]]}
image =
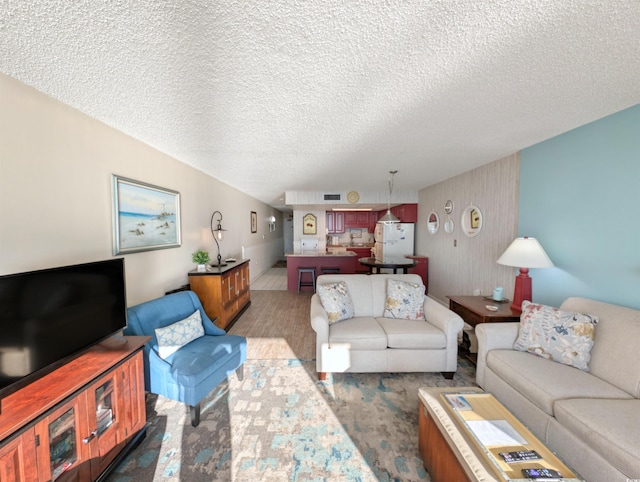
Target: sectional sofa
{"points": [[591, 417]]}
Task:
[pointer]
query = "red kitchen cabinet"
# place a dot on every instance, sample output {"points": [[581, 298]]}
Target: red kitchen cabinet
{"points": [[356, 219], [406, 213], [335, 222], [373, 220], [361, 253]]}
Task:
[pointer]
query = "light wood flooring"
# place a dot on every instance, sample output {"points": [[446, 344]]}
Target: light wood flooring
{"points": [[274, 279], [277, 325]]}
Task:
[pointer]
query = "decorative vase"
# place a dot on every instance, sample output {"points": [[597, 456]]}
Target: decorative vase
{"points": [[202, 268]]}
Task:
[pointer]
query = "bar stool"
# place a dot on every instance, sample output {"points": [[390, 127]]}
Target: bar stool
{"points": [[330, 270], [312, 282]]}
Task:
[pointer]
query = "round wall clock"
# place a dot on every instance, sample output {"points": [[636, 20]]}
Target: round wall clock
{"points": [[353, 197]]}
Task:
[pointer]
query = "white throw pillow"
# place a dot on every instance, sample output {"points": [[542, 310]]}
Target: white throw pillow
{"points": [[561, 336], [172, 337], [336, 301], [404, 300]]}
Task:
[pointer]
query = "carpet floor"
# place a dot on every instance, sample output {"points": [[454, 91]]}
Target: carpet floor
{"points": [[280, 423]]}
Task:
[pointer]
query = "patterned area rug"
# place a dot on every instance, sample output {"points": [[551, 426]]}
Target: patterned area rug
{"points": [[281, 423]]}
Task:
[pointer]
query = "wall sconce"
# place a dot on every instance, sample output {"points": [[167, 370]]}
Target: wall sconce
{"points": [[218, 234], [272, 223]]}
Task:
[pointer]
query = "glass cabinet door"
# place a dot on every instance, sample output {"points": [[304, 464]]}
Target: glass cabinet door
{"points": [[104, 413], [105, 406], [61, 454], [63, 451]]}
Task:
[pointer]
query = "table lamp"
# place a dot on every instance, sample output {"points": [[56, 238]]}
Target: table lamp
{"points": [[524, 253], [218, 234]]}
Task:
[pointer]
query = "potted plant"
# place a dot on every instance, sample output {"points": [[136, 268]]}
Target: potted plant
{"points": [[201, 258]]}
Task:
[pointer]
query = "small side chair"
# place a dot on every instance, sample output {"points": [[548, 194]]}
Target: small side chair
{"points": [[194, 368]]}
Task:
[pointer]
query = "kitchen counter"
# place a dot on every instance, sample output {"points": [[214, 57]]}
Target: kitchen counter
{"points": [[346, 262], [315, 254]]}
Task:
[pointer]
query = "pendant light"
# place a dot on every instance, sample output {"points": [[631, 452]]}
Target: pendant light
{"points": [[389, 218]]}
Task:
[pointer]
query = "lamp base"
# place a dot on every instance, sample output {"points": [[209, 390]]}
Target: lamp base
{"points": [[218, 265], [522, 290]]}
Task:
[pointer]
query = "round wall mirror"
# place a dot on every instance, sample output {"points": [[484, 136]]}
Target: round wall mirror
{"points": [[448, 207], [449, 226], [433, 222], [471, 221]]}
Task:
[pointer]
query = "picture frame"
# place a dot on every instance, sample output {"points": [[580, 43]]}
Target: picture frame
{"points": [[254, 222], [309, 224], [145, 217]]}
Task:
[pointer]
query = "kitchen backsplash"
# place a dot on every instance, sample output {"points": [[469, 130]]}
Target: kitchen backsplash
{"points": [[358, 236]]}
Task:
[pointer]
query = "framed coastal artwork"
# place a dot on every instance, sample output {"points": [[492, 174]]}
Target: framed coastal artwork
{"points": [[145, 217]]}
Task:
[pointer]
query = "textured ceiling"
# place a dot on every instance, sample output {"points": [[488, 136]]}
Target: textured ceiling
{"points": [[329, 95]]}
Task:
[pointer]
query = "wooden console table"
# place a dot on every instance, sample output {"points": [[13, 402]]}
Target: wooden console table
{"points": [[223, 291]]}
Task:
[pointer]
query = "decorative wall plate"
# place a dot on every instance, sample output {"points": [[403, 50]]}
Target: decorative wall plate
{"points": [[353, 197], [448, 207]]}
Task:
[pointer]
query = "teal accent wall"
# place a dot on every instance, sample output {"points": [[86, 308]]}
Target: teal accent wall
{"points": [[580, 196]]}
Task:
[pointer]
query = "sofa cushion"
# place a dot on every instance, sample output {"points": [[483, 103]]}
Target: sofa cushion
{"points": [[336, 301], [412, 334], [174, 336], [617, 325], [404, 300], [610, 427], [202, 357], [544, 381], [562, 336], [361, 333]]}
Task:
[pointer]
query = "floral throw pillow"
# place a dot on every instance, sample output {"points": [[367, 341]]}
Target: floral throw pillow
{"points": [[561, 336], [404, 300], [336, 301], [172, 337]]}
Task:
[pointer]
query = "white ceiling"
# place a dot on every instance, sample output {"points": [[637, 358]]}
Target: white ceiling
{"points": [[271, 96]]}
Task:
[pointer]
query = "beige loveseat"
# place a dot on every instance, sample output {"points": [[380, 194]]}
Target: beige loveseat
{"points": [[369, 342], [590, 419]]}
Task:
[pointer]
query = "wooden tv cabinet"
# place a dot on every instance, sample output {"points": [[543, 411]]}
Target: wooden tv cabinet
{"points": [[80, 420]]}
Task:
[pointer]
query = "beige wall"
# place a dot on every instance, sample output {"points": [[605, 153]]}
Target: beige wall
{"points": [[56, 202], [471, 263]]}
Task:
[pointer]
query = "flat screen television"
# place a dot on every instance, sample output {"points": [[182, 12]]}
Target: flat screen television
{"points": [[48, 317]]}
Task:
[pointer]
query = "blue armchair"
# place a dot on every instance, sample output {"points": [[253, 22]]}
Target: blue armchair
{"points": [[196, 368]]}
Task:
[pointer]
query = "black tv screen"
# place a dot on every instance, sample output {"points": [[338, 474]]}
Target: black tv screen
{"points": [[49, 316]]}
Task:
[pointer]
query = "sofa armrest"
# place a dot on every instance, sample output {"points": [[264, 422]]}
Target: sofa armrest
{"points": [[493, 336], [450, 324], [210, 328], [442, 318], [319, 320]]}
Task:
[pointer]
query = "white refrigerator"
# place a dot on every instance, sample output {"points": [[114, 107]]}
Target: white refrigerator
{"points": [[393, 240]]}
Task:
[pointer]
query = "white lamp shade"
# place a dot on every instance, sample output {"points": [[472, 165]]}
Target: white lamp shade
{"points": [[525, 253]]}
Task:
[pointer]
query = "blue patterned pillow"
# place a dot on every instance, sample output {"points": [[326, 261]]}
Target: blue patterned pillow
{"points": [[404, 300], [336, 301], [172, 337], [561, 336]]}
